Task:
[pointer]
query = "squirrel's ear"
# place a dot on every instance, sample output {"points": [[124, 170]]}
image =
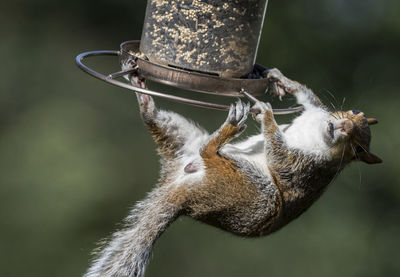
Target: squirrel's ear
{"points": [[369, 158], [372, 121]]}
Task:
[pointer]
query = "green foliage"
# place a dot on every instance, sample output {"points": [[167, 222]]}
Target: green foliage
{"points": [[75, 156]]}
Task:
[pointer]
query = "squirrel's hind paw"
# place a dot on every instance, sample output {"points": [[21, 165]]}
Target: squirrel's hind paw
{"points": [[238, 113], [146, 105]]}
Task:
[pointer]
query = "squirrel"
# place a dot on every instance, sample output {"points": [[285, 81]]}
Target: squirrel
{"points": [[249, 188]]}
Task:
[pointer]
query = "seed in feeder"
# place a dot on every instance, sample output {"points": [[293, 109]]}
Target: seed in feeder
{"points": [[203, 27]]}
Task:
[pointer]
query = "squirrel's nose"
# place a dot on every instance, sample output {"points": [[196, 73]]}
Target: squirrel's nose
{"points": [[348, 126]]}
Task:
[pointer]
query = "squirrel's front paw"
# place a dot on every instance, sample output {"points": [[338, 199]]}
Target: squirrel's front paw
{"points": [[238, 113], [279, 85], [259, 109]]}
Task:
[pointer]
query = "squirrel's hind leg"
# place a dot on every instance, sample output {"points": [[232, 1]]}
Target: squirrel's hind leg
{"points": [[171, 132], [232, 127], [174, 134]]}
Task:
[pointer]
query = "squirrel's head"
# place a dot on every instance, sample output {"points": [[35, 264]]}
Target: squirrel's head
{"points": [[348, 135]]}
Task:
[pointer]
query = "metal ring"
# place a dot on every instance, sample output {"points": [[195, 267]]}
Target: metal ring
{"points": [[189, 79], [110, 79]]}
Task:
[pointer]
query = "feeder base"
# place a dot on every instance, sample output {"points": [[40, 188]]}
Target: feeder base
{"points": [[133, 63]]}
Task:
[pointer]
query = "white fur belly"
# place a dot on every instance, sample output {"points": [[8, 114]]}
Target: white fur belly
{"points": [[251, 150], [306, 132]]}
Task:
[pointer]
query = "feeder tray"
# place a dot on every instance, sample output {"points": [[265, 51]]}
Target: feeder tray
{"points": [[134, 63]]}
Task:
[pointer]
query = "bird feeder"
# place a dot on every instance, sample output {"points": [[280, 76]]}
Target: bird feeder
{"points": [[207, 46]]}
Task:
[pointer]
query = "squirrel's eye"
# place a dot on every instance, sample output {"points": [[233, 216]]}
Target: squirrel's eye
{"points": [[331, 129], [355, 111]]}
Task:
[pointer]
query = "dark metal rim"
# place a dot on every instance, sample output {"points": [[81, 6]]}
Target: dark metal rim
{"points": [[189, 79], [111, 80]]}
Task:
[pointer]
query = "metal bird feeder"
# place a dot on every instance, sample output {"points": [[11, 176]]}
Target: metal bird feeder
{"points": [[208, 46]]}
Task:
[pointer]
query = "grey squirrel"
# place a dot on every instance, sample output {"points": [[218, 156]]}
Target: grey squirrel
{"points": [[250, 188]]}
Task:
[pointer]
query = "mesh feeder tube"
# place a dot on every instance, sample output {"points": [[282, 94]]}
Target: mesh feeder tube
{"points": [[216, 37]]}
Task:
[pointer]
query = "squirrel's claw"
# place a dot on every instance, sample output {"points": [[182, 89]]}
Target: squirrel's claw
{"points": [[259, 109], [238, 113], [279, 85]]}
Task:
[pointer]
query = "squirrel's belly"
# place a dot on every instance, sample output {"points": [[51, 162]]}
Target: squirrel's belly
{"points": [[251, 219], [256, 158]]}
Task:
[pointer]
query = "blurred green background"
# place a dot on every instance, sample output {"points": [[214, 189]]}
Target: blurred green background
{"points": [[74, 155]]}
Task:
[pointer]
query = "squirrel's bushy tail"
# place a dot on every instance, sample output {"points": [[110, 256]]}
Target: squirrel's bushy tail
{"points": [[129, 250]]}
